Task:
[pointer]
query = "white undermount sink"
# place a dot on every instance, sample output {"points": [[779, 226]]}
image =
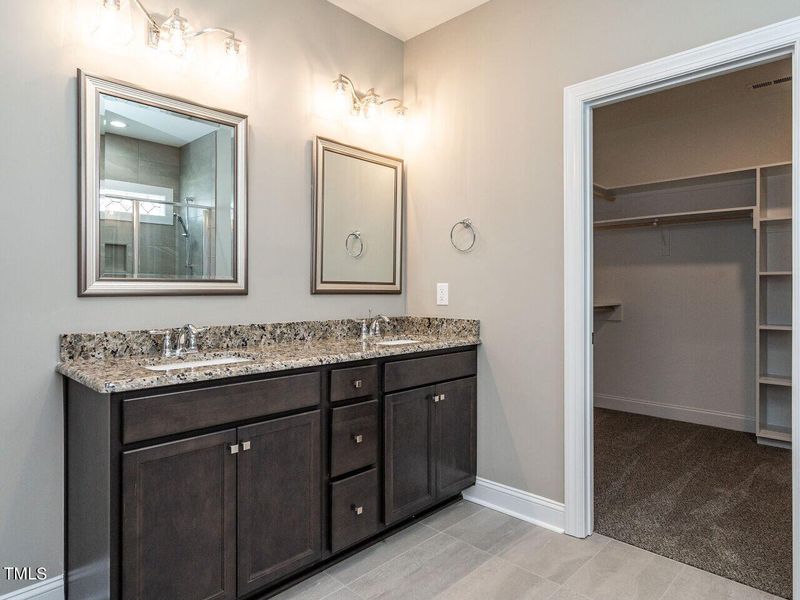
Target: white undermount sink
{"points": [[396, 342], [193, 364]]}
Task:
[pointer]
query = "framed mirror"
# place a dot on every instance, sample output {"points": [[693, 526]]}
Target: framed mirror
{"points": [[358, 220], [163, 194]]}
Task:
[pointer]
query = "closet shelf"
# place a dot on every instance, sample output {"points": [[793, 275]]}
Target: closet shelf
{"points": [[700, 216], [607, 306], [776, 380], [775, 433], [610, 311]]}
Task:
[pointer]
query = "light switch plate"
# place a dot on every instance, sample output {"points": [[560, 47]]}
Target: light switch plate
{"points": [[442, 294]]}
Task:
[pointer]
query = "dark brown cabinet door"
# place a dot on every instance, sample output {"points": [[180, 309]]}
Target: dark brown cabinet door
{"points": [[455, 426], [408, 437], [279, 499], [178, 520]]}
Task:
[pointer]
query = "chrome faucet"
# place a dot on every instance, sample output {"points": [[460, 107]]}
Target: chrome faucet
{"points": [[375, 327], [187, 339], [185, 344]]}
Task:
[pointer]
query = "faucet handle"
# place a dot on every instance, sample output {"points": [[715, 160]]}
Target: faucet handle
{"points": [[193, 331], [166, 347]]}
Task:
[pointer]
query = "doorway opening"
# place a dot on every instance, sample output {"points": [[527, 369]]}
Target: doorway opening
{"points": [[773, 354]]}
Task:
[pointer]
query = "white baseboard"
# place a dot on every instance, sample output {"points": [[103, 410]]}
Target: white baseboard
{"points": [[699, 416], [50, 589], [516, 503]]}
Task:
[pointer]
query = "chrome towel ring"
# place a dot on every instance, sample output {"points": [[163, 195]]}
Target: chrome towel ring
{"points": [[466, 224], [349, 247]]}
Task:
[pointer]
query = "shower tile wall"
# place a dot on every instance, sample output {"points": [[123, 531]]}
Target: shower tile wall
{"points": [[198, 161], [138, 161]]}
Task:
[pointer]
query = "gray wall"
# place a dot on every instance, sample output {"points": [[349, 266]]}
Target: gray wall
{"points": [[489, 85], [296, 48], [687, 337]]}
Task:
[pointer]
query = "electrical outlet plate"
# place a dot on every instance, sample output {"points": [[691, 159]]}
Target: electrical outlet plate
{"points": [[442, 294]]}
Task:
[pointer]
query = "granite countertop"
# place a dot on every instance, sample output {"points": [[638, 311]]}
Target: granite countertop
{"points": [[96, 366]]}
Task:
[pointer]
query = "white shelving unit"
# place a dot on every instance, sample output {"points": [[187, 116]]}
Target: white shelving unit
{"points": [[763, 194], [774, 304]]}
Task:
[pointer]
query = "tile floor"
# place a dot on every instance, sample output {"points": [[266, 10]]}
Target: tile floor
{"points": [[467, 552]]}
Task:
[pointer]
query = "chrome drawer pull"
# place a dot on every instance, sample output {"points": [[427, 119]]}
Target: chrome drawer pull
{"points": [[357, 384], [357, 509], [234, 448], [358, 438]]}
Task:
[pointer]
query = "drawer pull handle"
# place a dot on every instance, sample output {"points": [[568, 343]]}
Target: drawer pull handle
{"points": [[357, 509], [233, 448], [358, 384], [358, 438]]}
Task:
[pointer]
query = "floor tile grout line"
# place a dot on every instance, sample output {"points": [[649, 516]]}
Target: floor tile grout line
{"points": [[602, 547], [423, 524], [673, 580], [436, 533], [351, 590], [480, 509], [519, 541]]}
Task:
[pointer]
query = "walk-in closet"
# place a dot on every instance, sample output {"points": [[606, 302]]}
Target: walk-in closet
{"points": [[693, 324]]}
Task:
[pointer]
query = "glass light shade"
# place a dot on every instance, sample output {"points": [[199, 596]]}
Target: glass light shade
{"points": [[114, 22], [176, 41], [233, 61], [371, 109]]}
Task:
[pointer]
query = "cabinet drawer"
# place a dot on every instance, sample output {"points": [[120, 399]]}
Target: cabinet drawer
{"points": [[417, 372], [354, 509], [167, 414], [354, 437], [356, 382]]}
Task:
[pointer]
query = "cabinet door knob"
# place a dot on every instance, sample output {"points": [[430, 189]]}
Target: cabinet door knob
{"points": [[246, 446], [436, 398], [442, 397], [233, 448], [357, 509], [357, 384], [358, 438]]}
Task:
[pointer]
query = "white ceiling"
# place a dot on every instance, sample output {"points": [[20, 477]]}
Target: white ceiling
{"points": [[405, 19], [151, 124]]}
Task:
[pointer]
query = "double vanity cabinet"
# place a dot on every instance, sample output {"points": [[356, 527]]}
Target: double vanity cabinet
{"points": [[233, 488]]}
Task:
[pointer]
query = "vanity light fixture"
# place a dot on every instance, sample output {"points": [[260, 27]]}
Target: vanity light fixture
{"points": [[174, 33], [366, 104]]}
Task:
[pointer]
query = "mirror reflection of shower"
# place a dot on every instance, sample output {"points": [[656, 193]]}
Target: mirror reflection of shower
{"points": [[186, 238], [166, 195]]}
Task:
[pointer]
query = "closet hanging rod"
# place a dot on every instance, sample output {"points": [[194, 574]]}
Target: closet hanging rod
{"points": [[687, 218]]}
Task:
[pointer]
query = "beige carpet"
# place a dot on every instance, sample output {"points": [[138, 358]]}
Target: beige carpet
{"points": [[704, 496]]}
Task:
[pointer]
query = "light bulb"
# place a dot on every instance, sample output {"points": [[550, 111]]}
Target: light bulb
{"points": [[177, 45], [114, 24], [340, 87], [371, 109], [233, 64], [174, 34]]}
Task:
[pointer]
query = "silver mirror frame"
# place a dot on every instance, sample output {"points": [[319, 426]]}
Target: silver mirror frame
{"points": [[318, 286], [90, 87]]}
